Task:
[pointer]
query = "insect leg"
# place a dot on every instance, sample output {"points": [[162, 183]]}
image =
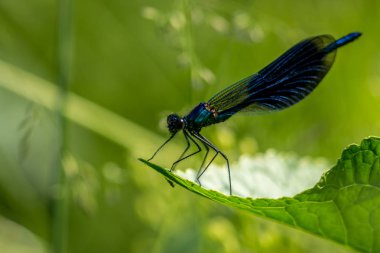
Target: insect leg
{"points": [[200, 171], [208, 143], [183, 153], [183, 158], [207, 150], [171, 137]]}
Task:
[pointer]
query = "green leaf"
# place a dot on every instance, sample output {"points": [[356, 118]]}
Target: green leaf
{"points": [[344, 206]]}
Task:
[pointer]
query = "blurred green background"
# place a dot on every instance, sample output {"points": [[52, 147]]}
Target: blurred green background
{"points": [[133, 62]]}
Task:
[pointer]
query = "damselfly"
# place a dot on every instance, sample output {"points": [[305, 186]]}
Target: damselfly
{"points": [[281, 84]]}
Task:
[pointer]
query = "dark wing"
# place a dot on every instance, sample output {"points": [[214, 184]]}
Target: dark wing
{"points": [[284, 82]]}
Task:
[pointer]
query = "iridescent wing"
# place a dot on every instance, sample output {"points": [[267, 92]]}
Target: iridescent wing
{"points": [[281, 84]]}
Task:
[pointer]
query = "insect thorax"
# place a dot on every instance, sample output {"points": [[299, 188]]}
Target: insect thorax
{"points": [[200, 116]]}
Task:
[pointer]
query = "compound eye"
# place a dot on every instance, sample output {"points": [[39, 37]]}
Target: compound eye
{"points": [[171, 119], [174, 123]]}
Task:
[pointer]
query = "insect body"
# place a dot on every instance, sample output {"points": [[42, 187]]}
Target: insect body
{"points": [[281, 84]]}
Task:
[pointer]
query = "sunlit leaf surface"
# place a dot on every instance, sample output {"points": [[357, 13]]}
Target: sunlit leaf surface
{"points": [[344, 206]]}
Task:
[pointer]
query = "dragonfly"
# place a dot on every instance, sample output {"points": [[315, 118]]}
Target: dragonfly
{"points": [[281, 84]]}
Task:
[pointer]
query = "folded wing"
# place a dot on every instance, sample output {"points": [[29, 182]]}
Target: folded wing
{"points": [[281, 84]]}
